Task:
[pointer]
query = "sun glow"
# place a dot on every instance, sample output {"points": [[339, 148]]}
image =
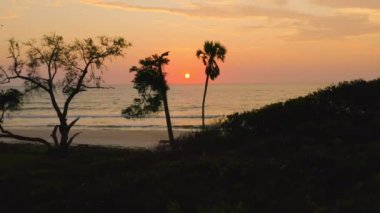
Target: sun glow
{"points": [[187, 75]]}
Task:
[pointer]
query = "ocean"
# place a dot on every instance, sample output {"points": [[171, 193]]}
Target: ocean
{"points": [[101, 108]]}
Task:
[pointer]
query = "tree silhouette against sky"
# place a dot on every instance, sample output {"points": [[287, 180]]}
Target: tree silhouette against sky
{"points": [[152, 88], [212, 51], [51, 66]]}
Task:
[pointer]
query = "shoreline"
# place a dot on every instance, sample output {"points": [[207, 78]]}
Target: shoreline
{"points": [[103, 137]]}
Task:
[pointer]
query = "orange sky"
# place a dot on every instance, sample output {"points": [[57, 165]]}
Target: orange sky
{"points": [[268, 41]]}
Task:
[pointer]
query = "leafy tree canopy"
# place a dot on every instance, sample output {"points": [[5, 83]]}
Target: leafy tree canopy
{"points": [[151, 85], [10, 99]]}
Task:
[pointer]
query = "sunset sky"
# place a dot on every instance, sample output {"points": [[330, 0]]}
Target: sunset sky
{"points": [[268, 41]]}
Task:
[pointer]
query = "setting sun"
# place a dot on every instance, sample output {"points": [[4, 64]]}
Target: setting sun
{"points": [[187, 75]]}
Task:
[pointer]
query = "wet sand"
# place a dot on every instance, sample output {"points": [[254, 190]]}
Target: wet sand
{"points": [[106, 137]]}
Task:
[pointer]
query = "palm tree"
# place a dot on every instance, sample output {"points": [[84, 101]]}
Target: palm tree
{"points": [[152, 87], [212, 51]]}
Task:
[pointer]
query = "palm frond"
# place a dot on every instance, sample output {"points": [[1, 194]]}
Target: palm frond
{"points": [[199, 53]]}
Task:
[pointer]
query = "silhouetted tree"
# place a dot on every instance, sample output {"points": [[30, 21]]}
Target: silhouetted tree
{"points": [[152, 87], [10, 100], [52, 65], [212, 51]]}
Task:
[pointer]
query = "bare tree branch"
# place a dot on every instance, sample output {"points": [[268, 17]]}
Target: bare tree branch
{"points": [[4, 76], [2, 115], [54, 135], [8, 134], [72, 138], [73, 122], [30, 80], [76, 90], [77, 61]]}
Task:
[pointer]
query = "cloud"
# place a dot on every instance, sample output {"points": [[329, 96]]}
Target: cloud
{"points": [[350, 3], [17, 9], [231, 10], [335, 27], [52, 3], [307, 26], [8, 17], [126, 6], [279, 2]]}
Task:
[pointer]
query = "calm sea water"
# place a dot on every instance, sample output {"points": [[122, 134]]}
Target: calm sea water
{"points": [[102, 108]]}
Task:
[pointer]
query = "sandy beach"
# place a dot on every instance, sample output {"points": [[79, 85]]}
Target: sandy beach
{"points": [[106, 137]]}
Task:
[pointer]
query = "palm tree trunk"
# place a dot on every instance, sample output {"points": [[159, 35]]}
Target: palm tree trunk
{"points": [[168, 120], [203, 103]]}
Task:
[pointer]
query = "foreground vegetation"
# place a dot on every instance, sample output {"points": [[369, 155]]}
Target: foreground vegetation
{"points": [[318, 153]]}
